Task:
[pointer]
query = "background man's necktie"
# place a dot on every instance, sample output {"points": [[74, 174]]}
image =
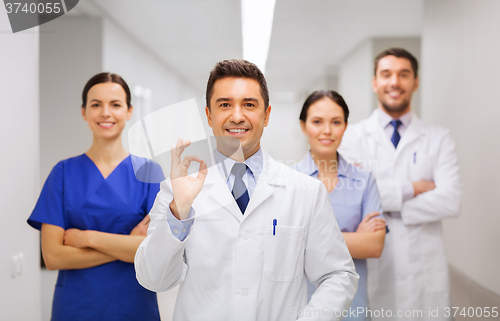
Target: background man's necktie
{"points": [[240, 192], [395, 135]]}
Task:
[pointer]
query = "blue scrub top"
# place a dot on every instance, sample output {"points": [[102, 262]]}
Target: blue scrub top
{"points": [[76, 195], [354, 196]]}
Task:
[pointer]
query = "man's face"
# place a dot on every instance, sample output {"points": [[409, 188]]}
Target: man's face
{"points": [[237, 115], [394, 84]]}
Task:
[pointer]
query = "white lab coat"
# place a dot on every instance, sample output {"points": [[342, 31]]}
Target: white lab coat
{"points": [[232, 267], [412, 273]]}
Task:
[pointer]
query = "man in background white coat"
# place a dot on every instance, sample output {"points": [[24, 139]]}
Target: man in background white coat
{"points": [[241, 237], [417, 174]]}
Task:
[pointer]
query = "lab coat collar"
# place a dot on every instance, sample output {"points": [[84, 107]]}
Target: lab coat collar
{"points": [[414, 131], [272, 176], [218, 191], [373, 127]]}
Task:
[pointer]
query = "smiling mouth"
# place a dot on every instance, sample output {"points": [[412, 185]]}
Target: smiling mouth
{"points": [[237, 130], [105, 124], [326, 141], [395, 94]]}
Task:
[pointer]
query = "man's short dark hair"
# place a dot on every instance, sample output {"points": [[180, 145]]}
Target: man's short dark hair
{"points": [[237, 68], [399, 53]]}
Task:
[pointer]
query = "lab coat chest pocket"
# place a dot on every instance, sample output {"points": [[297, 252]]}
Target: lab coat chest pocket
{"points": [[284, 252], [421, 166]]}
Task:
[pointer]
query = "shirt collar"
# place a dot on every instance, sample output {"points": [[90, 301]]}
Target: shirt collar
{"points": [[384, 119], [308, 166], [342, 166], [225, 164]]}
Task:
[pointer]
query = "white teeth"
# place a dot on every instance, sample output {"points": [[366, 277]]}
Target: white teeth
{"points": [[237, 130], [106, 124]]}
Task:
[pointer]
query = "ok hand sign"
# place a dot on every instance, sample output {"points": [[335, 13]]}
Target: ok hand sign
{"points": [[185, 188]]}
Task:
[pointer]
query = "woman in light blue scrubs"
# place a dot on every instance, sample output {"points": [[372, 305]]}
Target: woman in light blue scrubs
{"points": [[92, 213], [353, 191]]}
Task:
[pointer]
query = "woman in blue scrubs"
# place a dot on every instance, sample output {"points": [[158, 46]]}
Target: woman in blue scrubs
{"points": [[92, 213], [353, 192]]}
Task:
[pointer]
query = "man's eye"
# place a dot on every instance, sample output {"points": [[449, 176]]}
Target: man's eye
{"points": [[224, 105], [249, 105], [117, 105], [95, 105]]}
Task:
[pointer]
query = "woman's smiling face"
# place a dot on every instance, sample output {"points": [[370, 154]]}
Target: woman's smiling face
{"points": [[106, 111], [324, 127]]}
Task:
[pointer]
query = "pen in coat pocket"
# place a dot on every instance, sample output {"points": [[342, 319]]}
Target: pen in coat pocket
{"points": [[275, 222], [415, 158]]}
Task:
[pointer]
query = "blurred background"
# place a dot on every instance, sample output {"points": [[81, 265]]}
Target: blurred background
{"points": [[165, 51]]}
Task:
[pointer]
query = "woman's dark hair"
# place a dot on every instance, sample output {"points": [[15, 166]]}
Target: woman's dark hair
{"points": [[105, 77], [320, 94]]}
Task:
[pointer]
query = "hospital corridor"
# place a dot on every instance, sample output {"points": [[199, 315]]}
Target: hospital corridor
{"points": [[103, 97]]}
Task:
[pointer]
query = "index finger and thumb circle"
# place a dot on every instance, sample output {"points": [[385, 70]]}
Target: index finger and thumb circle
{"points": [[176, 151]]}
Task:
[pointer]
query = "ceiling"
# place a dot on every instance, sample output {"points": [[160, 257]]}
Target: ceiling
{"points": [[190, 36], [309, 37]]}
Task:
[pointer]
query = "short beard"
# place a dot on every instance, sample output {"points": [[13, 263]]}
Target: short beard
{"points": [[396, 109]]}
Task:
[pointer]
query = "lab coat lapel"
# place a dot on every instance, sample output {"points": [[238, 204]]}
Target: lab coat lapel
{"points": [[220, 193], [271, 178], [377, 134], [412, 133]]}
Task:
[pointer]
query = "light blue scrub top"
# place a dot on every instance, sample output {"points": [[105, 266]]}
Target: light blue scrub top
{"points": [[354, 196], [76, 195]]}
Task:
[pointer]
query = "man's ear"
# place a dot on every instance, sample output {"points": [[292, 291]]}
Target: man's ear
{"points": [[417, 82], [267, 112], [374, 84], [209, 116]]}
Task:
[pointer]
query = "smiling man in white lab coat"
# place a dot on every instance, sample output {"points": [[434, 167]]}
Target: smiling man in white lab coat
{"points": [[418, 178], [241, 237]]}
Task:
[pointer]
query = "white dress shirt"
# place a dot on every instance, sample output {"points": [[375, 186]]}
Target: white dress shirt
{"points": [[385, 123]]}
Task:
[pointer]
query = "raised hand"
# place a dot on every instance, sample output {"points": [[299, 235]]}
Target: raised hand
{"points": [[184, 187], [370, 223]]}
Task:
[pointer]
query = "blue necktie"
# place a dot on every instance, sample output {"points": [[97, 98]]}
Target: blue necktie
{"points": [[395, 135], [240, 192]]}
